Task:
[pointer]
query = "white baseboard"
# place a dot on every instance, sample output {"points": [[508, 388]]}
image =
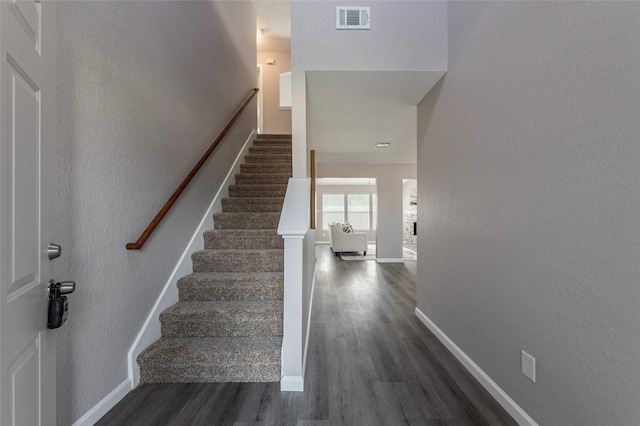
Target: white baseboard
{"points": [[492, 387], [292, 384], [92, 416], [150, 331], [389, 260]]}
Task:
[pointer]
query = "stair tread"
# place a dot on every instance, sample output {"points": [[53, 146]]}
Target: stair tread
{"points": [[235, 251], [273, 135], [269, 155], [246, 214], [195, 308], [254, 200], [261, 185], [279, 143], [244, 231], [262, 176], [271, 164], [268, 165], [259, 168], [246, 278], [267, 174], [266, 147], [252, 190]]}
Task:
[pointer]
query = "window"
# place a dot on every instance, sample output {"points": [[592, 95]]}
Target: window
{"points": [[358, 211], [332, 209]]}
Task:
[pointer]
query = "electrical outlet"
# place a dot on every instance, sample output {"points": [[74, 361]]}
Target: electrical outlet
{"points": [[529, 366]]}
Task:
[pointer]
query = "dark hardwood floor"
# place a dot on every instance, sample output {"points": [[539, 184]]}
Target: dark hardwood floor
{"points": [[370, 362]]}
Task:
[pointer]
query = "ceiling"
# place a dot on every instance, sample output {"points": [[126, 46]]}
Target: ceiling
{"points": [[350, 111], [273, 25]]}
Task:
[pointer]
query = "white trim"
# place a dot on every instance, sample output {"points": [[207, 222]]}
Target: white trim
{"points": [[92, 416], [306, 343], [389, 260], [260, 99], [492, 387], [292, 384], [150, 331], [296, 216]]}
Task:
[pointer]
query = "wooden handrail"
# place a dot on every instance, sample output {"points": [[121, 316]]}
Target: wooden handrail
{"points": [[163, 211]]}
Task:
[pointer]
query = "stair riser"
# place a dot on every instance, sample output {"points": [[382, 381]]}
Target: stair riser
{"points": [[266, 168], [272, 143], [270, 149], [263, 136], [218, 239], [251, 207], [213, 292], [251, 200], [257, 191], [213, 261], [262, 179], [268, 220], [257, 325], [267, 158], [207, 373]]}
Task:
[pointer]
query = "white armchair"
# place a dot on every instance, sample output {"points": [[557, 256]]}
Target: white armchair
{"points": [[346, 241]]}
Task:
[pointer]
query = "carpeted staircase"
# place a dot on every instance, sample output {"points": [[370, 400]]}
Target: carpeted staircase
{"points": [[227, 325]]}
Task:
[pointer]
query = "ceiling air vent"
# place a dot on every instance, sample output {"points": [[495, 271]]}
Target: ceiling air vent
{"points": [[352, 18]]}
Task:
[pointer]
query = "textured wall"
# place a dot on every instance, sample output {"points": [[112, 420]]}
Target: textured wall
{"points": [[274, 120], [529, 189], [143, 89], [404, 35]]}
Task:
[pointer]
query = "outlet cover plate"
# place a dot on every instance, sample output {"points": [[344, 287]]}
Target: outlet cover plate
{"points": [[528, 366]]}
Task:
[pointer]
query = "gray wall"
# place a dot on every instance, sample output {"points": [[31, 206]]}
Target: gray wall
{"points": [[528, 180], [274, 120], [405, 35], [144, 87]]}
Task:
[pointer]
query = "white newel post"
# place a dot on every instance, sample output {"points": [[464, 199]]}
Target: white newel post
{"points": [[292, 340], [293, 226]]}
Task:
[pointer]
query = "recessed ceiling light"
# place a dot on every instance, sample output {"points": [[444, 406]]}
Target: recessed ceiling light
{"points": [[383, 145]]}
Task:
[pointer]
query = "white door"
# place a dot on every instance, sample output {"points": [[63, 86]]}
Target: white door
{"points": [[27, 166]]}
